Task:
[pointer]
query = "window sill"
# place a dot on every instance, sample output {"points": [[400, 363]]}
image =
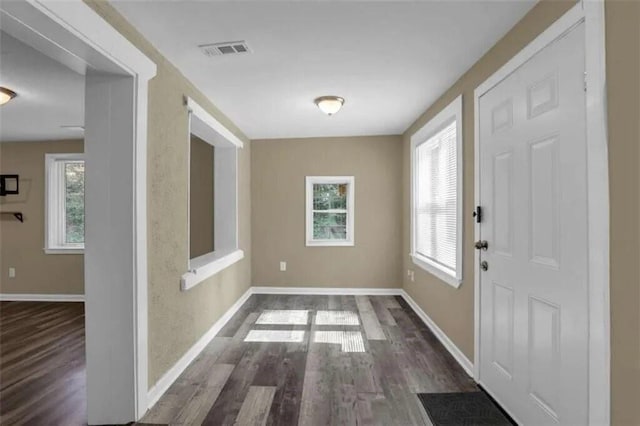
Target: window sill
{"points": [[436, 271], [63, 251], [208, 265], [330, 243]]}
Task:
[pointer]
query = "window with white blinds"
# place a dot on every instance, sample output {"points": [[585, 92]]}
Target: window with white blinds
{"points": [[436, 178]]}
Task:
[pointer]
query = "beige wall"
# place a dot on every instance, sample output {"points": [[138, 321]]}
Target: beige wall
{"points": [[452, 309], [623, 87], [200, 198], [178, 319], [22, 244], [278, 170]]}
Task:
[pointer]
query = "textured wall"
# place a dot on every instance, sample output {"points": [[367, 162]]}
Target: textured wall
{"points": [[453, 309], [22, 244], [278, 170], [178, 319]]}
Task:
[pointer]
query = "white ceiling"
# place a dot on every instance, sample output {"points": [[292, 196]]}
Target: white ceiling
{"points": [[389, 60], [50, 95]]}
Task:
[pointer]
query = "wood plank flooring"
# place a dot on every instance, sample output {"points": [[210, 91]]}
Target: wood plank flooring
{"points": [[297, 372], [42, 364], [362, 363]]}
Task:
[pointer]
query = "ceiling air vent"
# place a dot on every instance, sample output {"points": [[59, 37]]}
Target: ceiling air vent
{"points": [[226, 48]]}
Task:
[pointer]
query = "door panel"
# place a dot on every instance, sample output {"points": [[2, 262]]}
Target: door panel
{"points": [[533, 190], [544, 354], [503, 203], [503, 329], [543, 201]]}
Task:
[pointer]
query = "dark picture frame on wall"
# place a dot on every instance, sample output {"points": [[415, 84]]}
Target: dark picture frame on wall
{"points": [[9, 185]]}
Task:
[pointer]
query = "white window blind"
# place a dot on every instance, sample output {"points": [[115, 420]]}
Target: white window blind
{"points": [[436, 199]]}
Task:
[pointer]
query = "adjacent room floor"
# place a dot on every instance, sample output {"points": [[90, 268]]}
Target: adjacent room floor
{"points": [[314, 360], [42, 364]]}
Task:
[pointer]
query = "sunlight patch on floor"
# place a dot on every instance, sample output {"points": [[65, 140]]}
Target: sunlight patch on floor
{"points": [[284, 317], [337, 318], [280, 336], [350, 341]]}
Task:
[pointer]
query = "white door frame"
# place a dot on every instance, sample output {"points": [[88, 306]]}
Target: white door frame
{"points": [[591, 12], [75, 34]]}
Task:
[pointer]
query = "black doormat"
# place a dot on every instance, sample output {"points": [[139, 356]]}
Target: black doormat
{"points": [[463, 409]]}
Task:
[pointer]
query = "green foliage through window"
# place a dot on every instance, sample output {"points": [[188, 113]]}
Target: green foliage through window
{"points": [[329, 226], [330, 211], [74, 202], [330, 196]]}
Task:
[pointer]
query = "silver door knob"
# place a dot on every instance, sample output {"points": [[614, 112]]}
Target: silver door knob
{"points": [[481, 245]]}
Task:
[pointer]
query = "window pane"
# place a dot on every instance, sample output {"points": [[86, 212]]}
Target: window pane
{"points": [[329, 226], [436, 212], [330, 196], [74, 202]]}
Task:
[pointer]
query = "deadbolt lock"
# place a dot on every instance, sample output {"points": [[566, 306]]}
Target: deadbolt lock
{"points": [[484, 265], [481, 245]]}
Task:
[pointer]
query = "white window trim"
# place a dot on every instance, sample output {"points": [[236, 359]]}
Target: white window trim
{"points": [[350, 240], [52, 207], [226, 251], [453, 110]]}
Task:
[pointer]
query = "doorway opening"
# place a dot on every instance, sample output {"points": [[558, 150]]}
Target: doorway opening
{"points": [[115, 76], [42, 349]]}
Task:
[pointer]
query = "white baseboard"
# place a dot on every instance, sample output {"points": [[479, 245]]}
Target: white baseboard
{"points": [[174, 372], [459, 356], [15, 297], [353, 291]]}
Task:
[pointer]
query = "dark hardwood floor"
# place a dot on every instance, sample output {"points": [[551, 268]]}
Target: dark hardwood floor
{"points": [[42, 364], [285, 360]]}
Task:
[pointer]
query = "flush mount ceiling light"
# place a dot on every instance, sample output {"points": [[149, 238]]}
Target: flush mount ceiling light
{"points": [[329, 104], [6, 95]]}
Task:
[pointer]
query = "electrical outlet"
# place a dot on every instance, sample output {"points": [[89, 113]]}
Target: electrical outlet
{"points": [[283, 266], [12, 272], [411, 275]]}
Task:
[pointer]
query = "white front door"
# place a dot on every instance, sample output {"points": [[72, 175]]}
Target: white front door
{"points": [[533, 192]]}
